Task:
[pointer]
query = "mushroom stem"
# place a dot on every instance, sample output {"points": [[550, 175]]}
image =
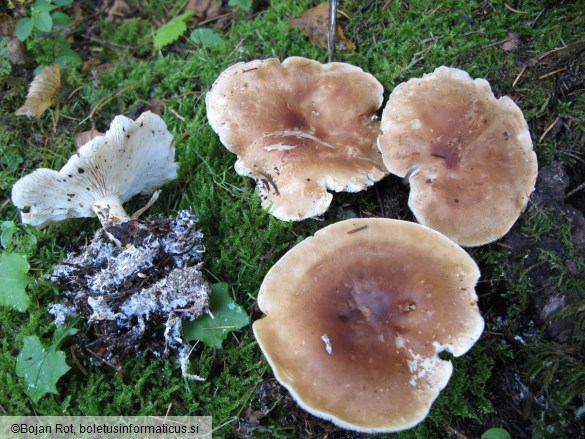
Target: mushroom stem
{"points": [[109, 209], [332, 29]]}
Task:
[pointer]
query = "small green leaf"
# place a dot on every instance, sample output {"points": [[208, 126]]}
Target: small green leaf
{"points": [[68, 57], [228, 317], [61, 18], [13, 281], [42, 20], [170, 32], [62, 2], [8, 229], [246, 5], [24, 28], [496, 433], [206, 37], [12, 160], [40, 367]]}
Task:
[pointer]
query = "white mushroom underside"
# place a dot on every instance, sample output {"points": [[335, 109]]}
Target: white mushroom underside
{"points": [[132, 157]]}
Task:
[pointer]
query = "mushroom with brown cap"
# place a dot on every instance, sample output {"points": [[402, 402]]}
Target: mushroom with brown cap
{"points": [[468, 155], [356, 318], [299, 128], [132, 157]]}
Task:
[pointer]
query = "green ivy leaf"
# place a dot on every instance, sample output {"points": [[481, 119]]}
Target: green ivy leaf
{"points": [[40, 367], [42, 18], [24, 28], [228, 317], [205, 37], [170, 32], [246, 5], [13, 281], [62, 2], [61, 18], [496, 433]]}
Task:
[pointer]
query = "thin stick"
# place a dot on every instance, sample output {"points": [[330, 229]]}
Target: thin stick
{"points": [[332, 29], [548, 130], [552, 73], [519, 76], [574, 191]]}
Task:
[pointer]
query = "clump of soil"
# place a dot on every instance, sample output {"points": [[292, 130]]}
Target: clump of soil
{"points": [[134, 285]]}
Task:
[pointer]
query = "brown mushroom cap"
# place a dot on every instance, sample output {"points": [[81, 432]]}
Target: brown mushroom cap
{"points": [[299, 128], [469, 155], [356, 318]]}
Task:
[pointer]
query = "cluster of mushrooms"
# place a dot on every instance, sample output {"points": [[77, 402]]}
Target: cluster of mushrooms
{"points": [[357, 315]]}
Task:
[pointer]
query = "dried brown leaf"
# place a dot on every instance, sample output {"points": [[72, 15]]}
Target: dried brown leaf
{"points": [[84, 137], [512, 42], [118, 11], [204, 9], [315, 24], [96, 66], [42, 92]]}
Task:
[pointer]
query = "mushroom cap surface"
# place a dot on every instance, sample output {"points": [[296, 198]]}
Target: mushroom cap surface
{"points": [[468, 155], [131, 157], [299, 128], [356, 318]]}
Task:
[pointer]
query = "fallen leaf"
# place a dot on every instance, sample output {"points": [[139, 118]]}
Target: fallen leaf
{"points": [[155, 106], [512, 42], [42, 92], [315, 24], [118, 11], [96, 66], [204, 9], [82, 138]]}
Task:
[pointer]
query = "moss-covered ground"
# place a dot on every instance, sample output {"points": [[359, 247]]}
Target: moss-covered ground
{"points": [[520, 376]]}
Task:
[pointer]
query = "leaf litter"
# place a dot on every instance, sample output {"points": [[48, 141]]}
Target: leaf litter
{"points": [[136, 295], [314, 23]]}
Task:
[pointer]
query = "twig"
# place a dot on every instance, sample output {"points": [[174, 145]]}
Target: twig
{"points": [[104, 101], [332, 29], [82, 369], [177, 115], [237, 47], [548, 130], [74, 91], [510, 8], [574, 191], [519, 76], [212, 19], [546, 75]]}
